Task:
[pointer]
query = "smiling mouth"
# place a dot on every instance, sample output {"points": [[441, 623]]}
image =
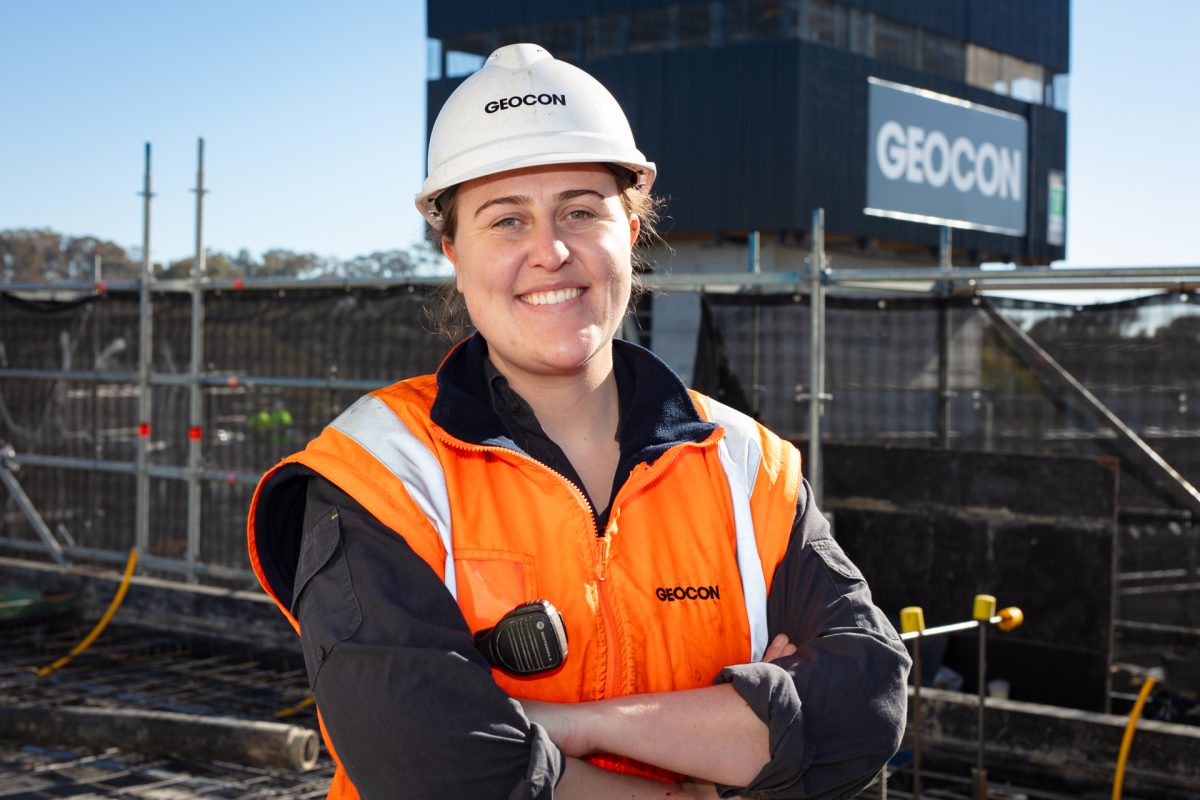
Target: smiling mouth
{"points": [[550, 298]]}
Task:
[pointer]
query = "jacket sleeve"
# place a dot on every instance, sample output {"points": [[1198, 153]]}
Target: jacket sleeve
{"points": [[836, 709], [410, 706]]}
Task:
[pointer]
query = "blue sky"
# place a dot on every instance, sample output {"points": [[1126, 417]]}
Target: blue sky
{"points": [[313, 116]]}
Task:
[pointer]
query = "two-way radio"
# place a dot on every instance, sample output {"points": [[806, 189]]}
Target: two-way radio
{"points": [[526, 641]]}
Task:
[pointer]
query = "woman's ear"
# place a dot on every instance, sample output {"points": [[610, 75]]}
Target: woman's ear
{"points": [[635, 227], [448, 250]]}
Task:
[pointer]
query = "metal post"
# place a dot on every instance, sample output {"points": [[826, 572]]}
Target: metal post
{"points": [[916, 719], [946, 262], [755, 267], [912, 622], [195, 394], [981, 781], [27, 507], [816, 353], [145, 321], [983, 612]]}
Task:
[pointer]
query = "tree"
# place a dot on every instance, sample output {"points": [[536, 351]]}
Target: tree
{"points": [[383, 264], [42, 255], [46, 256], [281, 263], [216, 265]]}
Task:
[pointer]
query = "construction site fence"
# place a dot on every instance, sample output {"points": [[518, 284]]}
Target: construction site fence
{"points": [[91, 420]]}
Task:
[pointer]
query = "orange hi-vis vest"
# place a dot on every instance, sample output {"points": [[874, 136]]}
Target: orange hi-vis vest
{"points": [[672, 590]]}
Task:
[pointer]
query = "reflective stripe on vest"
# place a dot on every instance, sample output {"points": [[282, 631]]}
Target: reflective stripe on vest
{"points": [[741, 453], [377, 430]]}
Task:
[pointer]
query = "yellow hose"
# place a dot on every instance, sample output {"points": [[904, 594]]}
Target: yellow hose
{"points": [[296, 709], [86, 642], [1127, 740]]}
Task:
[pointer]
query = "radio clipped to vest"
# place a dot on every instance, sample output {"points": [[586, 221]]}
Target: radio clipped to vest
{"points": [[526, 641]]}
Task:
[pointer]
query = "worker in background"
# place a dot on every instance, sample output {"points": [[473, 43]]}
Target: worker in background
{"points": [[715, 640]]}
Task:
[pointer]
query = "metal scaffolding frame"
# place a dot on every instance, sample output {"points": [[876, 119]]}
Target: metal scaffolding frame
{"points": [[815, 283]]}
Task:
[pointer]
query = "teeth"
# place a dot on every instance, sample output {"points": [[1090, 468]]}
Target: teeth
{"points": [[549, 298]]}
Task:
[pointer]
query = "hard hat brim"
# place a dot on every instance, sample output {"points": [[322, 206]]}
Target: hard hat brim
{"points": [[426, 199]]}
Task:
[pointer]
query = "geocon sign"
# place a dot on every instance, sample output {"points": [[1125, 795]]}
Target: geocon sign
{"points": [[937, 159]]}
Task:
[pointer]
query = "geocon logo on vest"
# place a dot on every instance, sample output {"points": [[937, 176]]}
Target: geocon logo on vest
{"points": [[518, 100], [669, 594], [937, 159]]}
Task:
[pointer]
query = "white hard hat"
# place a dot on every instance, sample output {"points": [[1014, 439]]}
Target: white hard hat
{"points": [[524, 108]]}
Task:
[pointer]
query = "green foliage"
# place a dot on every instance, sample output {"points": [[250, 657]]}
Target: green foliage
{"points": [[46, 256], [41, 255]]}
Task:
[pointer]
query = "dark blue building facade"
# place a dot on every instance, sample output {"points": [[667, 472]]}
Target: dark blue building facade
{"points": [[756, 111]]}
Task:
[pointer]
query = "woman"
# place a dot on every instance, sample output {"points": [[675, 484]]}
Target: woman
{"points": [[717, 639]]}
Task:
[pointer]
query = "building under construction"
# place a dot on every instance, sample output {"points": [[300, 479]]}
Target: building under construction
{"points": [[962, 444], [896, 118]]}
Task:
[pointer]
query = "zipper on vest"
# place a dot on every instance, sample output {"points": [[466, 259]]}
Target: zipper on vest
{"points": [[601, 543], [612, 648], [601, 548]]}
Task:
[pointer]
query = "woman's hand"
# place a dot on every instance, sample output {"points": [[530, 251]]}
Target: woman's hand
{"points": [[632, 726], [780, 647]]}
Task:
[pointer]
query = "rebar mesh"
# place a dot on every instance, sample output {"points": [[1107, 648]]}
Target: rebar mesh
{"points": [[145, 669]]}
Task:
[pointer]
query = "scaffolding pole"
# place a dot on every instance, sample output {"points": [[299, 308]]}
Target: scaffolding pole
{"points": [[946, 263], [755, 266], [195, 389], [30, 511], [230, 380], [816, 354], [163, 471], [968, 280], [145, 320]]}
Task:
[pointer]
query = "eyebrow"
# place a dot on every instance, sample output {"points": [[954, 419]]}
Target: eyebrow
{"points": [[521, 199]]}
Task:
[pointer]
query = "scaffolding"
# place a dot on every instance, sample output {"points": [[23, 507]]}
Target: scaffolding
{"points": [[269, 361]]}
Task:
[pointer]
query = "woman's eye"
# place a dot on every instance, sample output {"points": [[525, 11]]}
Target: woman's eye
{"points": [[580, 215], [506, 223]]}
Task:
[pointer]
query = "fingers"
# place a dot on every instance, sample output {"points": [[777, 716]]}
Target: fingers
{"points": [[780, 647]]}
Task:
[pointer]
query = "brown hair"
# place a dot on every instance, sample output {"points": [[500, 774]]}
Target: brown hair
{"points": [[445, 308]]}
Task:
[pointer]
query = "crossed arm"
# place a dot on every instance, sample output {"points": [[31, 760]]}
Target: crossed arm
{"points": [[715, 737], [407, 700]]}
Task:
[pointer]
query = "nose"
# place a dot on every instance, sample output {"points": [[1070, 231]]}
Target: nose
{"points": [[548, 249]]}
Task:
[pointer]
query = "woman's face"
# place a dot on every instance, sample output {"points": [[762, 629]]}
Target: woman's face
{"points": [[542, 258]]}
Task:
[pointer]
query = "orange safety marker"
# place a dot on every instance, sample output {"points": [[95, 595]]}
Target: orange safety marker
{"points": [[1010, 618]]}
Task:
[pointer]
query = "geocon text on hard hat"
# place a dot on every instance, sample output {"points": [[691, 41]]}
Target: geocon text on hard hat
{"points": [[943, 160], [518, 100], [920, 156]]}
